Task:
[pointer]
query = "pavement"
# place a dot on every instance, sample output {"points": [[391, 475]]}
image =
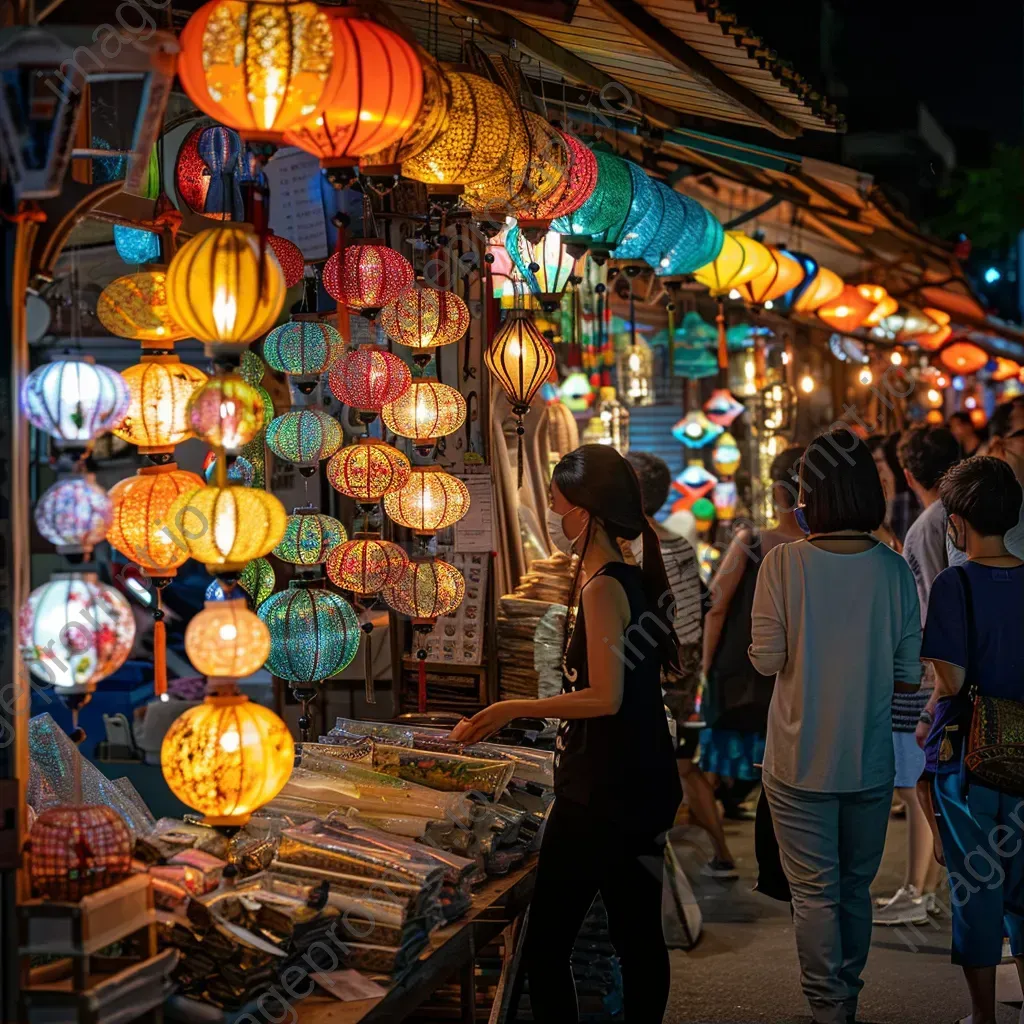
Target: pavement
{"points": [[745, 971]]}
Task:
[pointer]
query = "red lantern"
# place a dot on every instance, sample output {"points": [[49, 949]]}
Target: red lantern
{"points": [[366, 276], [367, 470], [425, 318], [366, 564], [569, 195], [289, 255], [368, 378]]}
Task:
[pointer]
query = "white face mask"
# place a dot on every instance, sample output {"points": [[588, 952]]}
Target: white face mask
{"points": [[637, 547], [557, 532]]}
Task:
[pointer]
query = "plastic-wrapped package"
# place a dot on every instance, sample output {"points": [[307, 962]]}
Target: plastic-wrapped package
{"points": [[385, 732], [360, 751], [451, 773], [397, 824], [531, 765]]}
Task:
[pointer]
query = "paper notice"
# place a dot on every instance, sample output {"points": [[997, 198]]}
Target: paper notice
{"points": [[296, 203]]}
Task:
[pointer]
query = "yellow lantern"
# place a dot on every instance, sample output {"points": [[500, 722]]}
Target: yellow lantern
{"points": [[367, 470], [226, 758], [136, 307], [427, 590], [432, 500], [426, 411], [725, 456], [225, 527], [521, 361], [161, 387], [226, 640], [220, 288], [884, 304], [824, 287], [740, 260], [780, 275]]}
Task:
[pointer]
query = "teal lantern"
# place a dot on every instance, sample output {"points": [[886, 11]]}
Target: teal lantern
{"points": [[257, 580], [303, 349], [646, 214], [309, 537], [240, 471], [640, 196], [252, 369], [690, 237], [695, 430], [547, 266], [304, 437], [607, 206]]}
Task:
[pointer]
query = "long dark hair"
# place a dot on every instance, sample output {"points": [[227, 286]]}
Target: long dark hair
{"points": [[595, 477]]}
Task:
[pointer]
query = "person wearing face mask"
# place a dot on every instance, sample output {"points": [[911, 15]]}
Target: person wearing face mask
{"points": [[616, 785]]}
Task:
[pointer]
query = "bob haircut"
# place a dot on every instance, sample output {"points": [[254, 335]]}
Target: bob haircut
{"points": [[839, 484]]}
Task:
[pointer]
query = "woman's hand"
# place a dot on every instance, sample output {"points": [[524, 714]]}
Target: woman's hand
{"points": [[485, 723]]}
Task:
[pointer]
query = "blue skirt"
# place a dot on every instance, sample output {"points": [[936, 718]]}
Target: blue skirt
{"points": [[732, 754]]}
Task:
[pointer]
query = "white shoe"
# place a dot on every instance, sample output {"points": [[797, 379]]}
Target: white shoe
{"points": [[884, 901], [908, 906]]}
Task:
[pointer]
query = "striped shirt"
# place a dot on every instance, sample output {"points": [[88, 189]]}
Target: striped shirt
{"points": [[684, 579]]}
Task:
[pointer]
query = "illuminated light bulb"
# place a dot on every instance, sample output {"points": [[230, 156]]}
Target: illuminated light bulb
{"points": [[865, 377], [226, 640], [785, 359], [941, 381], [734, 293], [807, 384], [768, 304], [934, 396], [896, 358], [971, 402]]}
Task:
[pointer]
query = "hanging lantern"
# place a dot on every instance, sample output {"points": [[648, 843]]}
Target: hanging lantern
{"points": [[74, 400], [309, 537], [847, 311], [258, 67], [426, 411], [782, 274], [572, 191], [225, 412], [934, 341], [913, 325], [615, 417], [809, 266], [220, 287], [257, 580], [962, 357], [725, 456], [741, 260], [74, 514], [607, 206], [778, 406], [521, 360], [367, 470], [75, 631], [430, 501], [374, 101], [722, 408], [226, 758], [695, 430], [136, 307], [575, 391], [1005, 369], [240, 470], [703, 513], [161, 387], [212, 165], [825, 286], [635, 372], [226, 640], [366, 276], [724, 497], [623, 230], [596, 432], [547, 266], [289, 257], [225, 527], [693, 483], [689, 238], [884, 304], [366, 564], [304, 437], [141, 526], [427, 590], [136, 245], [425, 318], [368, 378], [303, 349]]}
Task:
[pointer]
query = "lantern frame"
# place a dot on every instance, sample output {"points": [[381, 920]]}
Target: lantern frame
{"points": [[431, 501], [367, 470], [505, 359]]}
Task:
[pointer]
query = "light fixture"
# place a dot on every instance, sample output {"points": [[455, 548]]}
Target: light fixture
{"points": [[807, 384], [546, 266], [572, 191], [825, 286], [427, 590], [865, 376], [520, 360], [425, 411], [74, 514], [226, 412], [304, 437], [782, 274], [431, 500], [695, 430], [161, 388], [607, 207], [725, 456], [136, 307], [303, 349], [367, 379], [425, 318], [290, 258], [366, 564], [74, 400], [847, 311], [741, 259], [367, 470], [226, 640], [366, 276], [309, 537], [964, 358]]}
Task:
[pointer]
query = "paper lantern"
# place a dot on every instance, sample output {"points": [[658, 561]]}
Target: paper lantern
{"points": [[427, 590], [309, 537], [607, 205], [304, 437], [694, 482], [366, 564], [847, 311], [161, 388], [258, 67], [74, 400], [368, 378], [367, 470], [546, 266], [635, 369], [366, 276], [933, 342], [431, 500], [314, 633], [374, 100], [75, 631], [650, 206], [136, 307], [74, 514], [226, 640], [225, 412], [637, 201], [824, 287], [303, 349], [521, 360], [534, 217], [725, 456], [884, 304], [290, 258], [689, 238], [225, 527], [695, 430], [721, 408], [77, 850], [913, 325], [740, 260], [1005, 369], [724, 497], [782, 274], [220, 288], [963, 357], [425, 411], [141, 526], [226, 758], [424, 318], [257, 580]]}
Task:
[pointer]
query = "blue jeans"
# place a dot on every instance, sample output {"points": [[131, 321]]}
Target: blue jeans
{"points": [[831, 846]]}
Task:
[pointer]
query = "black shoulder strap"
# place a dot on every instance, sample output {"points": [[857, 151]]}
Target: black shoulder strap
{"points": [[965, 582]]}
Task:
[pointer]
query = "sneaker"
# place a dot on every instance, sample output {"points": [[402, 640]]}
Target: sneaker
{"points": [[884, 901], [723, 870], [906, 907]]}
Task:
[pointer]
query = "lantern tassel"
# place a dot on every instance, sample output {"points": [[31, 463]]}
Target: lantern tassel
{"points": [[671, 337], [520, 430], [421, 684], [371, 696], [159, 650], [723, 344]]}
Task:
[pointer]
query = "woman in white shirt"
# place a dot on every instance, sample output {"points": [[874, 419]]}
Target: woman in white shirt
{"points": [[836, 616]]}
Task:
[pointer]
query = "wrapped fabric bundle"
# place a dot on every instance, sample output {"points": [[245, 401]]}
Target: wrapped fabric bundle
{"points": [[452, 773]]}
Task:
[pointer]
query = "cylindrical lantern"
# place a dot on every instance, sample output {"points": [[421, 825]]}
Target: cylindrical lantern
{"points": [[366, 276], [367, 470], [535, 217], [963, 357], [426, 411], [74, 400], [225, 412], [161, 388], [366, 564], [431, 500], [368, 378], [74, 514], [424, 318], [615, 416], [782, 274], [226, 640], [825, 286], [309, 537], [546, 266], [136, 307], [636, 374], [847, 311], [741, 259], [304, 436], [289, 256], [689, 238], [303, 349], [520, 359], [608, 204], [427, 590]]}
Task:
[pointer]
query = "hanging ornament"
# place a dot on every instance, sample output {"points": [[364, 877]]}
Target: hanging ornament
{"points": [[637, 201], [367, 470], [366, 564], [226, 640], [781, 275], [546, 266], [366, 276], [309, 537], [74, 514], [431, 500], [225, 412], [847, 311], [932, 342], [635, 373], [212, 165], [695, 430], [825, 286], [607, 206], [289, 257], [703, 514], [724, 497], [722, 408], [304, 437], [964, 358], [694, 482], [572, 191], [725, 456], [303, 349], [257, 580], [425, 411], [367, 379], [741, 260], [74, 400], [136, 307], [425, 318]]}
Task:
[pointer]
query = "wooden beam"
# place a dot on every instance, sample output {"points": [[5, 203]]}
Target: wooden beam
{"points": [[647, 29], [556, 10]]}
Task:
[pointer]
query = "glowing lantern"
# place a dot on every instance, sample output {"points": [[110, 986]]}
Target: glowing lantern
{"points": [[220, 288], [615, 418], [161, 388], [136, 307], [258, 67], [636, 373], [547, 266], [367, 470], [141, 527], [725, 456], [426, 411], [427, 590], [703, 513], [913, 325], [225, 527], [572, 191], [257, 580], [724, 497], [425, 318], [136, 245], [884, 304], [75, 631], [722, 408], [74, 400], [933, 342], [309, 537], [225, 412], [74, 514], [290, 258], [694, 482], [741, 260], [781, 275], [304, 437], [963, 357], [366, 564], [368, 378], [691, 244], [213, 163], [431, 500], [847, 311], [366, 276], [226, 640], [575, 391], [695, 430], [226, 758], [521, 360], [607, 207], [303, 349], [1005, 369], [825, 286]]}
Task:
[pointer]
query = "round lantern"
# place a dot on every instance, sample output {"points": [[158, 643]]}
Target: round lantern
{"points": [[847, 311], [367, 470], [427, 590], [225, 527], [366, 564], [314, 633], [431, 500], [426, 411], [607, 205], [374, 100], [74, 514], [725, 456], [520, 359], [366, 276], [257, 67], [424, 318], [571, 192], [309, 537], [633, 209], [225, 412], [546, 266], [303, 349], [910, 324], [212, 164], [75, 631], [226, 758], [825, 286], [1005, 369], [220, 288], [141, 527], [782, 274], [368, 378], [136, 307], [290, 258], [136, 245], [740, 260], [703, 510], [226, 640], [74, 400], [257, 580], [963, 357], [77, 850], [304, 437], [161, 388]]}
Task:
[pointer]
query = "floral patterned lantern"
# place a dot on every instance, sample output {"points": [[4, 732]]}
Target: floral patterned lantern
{"points": [[225, 412], [425, 411], [431, 500], [366, 564], [368, 378], [366, 276], [226, 640], [425, 318], [309, 537], [136, 307], [289, 256], [161, 387], [534, 218], [74, 514], [303, 349], [367, 470], [74, 400], [304, 437]]}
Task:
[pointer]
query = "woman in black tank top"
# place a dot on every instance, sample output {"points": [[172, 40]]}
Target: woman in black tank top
{"points": [[616, 784]]}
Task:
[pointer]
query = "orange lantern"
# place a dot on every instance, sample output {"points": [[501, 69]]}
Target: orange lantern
{"points": [[161, 388], [426, 411], [933, 342], [135, 306], [427, 590], [963, 357], [367, 470], [781, 274], [846, 312], [431, 500], [1005, 369], [884, 304], [824, 287], [366, 564], [425, 318]]}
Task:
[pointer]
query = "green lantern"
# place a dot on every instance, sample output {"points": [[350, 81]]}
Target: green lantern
{"points": [[303, 348], [607, 206], [257, 580], [304, 437], [309, 537]]}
